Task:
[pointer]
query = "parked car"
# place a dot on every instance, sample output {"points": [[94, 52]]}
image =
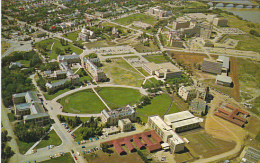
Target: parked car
{"points": [[72, 151], [83, 146], [75, 158]]}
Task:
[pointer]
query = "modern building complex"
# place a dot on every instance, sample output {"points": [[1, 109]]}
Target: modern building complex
{"points": [[67, 76], [224, 80], [125, 125], [156, 11], [85, 35], [220, 22], [166, 133], [112, 117], [236, 116], [198, 106], [65, 61], [91, 66], [29, 107], [141, 25], [182, 121], [187, 93], [162, 70], [212, 66]]}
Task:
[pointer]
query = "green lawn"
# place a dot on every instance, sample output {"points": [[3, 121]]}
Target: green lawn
{"points": [[67, 158], [57, 44], [78, 135], [143, 71], [159, 105], [82, 102], [25, 63], [83, 119], [51, 139], [249, 78], [115, 97], [121, 73], [82, 79], [11, 117], [4, 45], [247, 42], [137, 17], [50, 97], [23, 146], [124, 30], [155, 58], [72, 36]]}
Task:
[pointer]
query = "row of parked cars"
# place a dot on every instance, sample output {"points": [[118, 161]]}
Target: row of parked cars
{"points": [[57, 155], [66, 127]]}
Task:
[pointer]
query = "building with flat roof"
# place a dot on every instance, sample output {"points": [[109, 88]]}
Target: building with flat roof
{"points": [[125, 125], [86, 34], [212, 66], [65, 61], [166, 133], [112, 117], [29, 107], [157, 11], [225, 61], [91, 66], [182, 121], [181, 23], [224, 80], [162, 70], [187, 93], [198, 106], [220, 22], [141, 25]]}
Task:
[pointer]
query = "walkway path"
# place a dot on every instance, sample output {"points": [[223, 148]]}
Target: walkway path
{"points": [[101, 99]]}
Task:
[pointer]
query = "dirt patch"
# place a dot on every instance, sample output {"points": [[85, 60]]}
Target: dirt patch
{"points": [[234, 75], [115, 157], [214, 56], [204, 145], [253, 125], [188, 58]]}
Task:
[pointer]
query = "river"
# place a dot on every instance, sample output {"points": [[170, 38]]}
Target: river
{"points": [[251, 14]]}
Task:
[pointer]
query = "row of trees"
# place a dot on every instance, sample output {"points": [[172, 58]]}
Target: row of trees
{"points": [[29, 132], [6, 151], [73, 122]]}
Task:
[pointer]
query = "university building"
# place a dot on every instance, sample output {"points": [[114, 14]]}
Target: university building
{"points": [[29, 107]]}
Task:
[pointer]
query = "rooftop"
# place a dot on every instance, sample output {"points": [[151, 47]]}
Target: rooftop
{"points": [[152, 66], [224, 78], [169, 67], [225, 61]]}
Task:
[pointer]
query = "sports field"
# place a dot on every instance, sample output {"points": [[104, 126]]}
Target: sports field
{"points": [[82, 102], [119, 97], [121, 73]]}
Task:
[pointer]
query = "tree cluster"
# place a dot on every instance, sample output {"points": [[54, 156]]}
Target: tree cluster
{"points": [[254, 32], [29, 132], [143, 156], [91, 128], [72, 122], [6, 151]]}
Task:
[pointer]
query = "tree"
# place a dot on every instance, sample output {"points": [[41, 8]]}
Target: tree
{"points": [[58, 50], [92, 55]]}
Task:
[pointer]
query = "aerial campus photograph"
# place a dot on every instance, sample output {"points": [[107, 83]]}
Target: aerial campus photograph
{"points": [[123, 81]]}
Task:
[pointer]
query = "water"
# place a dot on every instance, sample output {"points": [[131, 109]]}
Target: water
{"points": [[251, 14]]}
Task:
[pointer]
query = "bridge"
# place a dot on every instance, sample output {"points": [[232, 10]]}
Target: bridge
{"points": [[234, 4]]}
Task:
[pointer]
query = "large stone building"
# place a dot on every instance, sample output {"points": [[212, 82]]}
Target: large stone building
{"points": [[182, 121], [125, 125], [85, 35], [220, 22], [112, 117], [66, 61], [163, 70], [91, 66], [156, 11], [212, 66], [181, 23], [166, 133], [197, 106], [29, 107], [187, 93]]}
